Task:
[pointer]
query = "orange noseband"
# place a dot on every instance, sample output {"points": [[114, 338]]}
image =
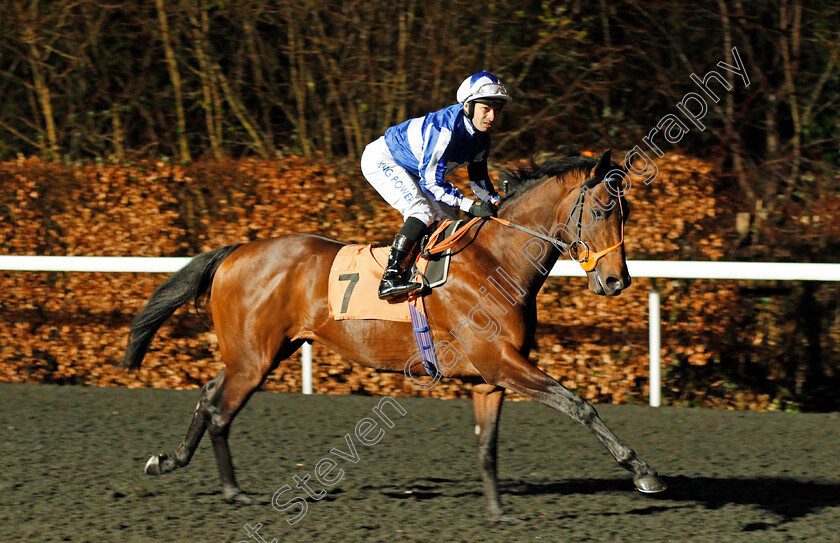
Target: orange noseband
{"points": [[589, 260]]}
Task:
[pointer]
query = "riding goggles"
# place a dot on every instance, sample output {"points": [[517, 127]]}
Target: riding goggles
{"points": [[490, 92]]}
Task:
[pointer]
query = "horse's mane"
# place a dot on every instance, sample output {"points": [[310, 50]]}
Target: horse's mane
{"points": [[520, 180]]}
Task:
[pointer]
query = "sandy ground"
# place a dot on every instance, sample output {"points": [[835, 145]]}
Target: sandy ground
{"points": [[74, 461]]}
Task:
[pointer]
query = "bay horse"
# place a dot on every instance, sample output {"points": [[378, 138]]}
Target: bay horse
{"points": [[267, 297]]}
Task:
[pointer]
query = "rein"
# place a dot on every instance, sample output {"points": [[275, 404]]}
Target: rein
{"points": [[587, 261], [459, 233]]}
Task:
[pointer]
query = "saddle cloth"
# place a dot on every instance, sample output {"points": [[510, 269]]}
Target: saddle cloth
{"points": [[354, 283]]}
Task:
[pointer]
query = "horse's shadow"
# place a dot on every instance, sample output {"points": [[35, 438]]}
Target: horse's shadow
{"points": [[788, 498]]}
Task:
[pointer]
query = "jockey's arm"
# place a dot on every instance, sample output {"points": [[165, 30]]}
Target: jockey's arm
{"points": [[442, 190], [434, 181], [480, 182]]}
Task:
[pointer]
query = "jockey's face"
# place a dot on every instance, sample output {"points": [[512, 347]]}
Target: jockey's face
{"points": [[484, 115]]}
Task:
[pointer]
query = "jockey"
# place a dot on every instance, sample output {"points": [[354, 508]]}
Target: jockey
{"points": [[408, 166]]}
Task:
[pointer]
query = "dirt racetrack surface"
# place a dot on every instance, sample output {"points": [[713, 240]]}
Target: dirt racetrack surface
{"points": [[73, 471]]}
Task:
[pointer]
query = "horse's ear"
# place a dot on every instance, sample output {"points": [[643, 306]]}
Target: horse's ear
{"points": [[604, 165]]}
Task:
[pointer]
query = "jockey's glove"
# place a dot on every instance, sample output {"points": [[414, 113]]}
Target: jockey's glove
{"points": [[483, 209]]}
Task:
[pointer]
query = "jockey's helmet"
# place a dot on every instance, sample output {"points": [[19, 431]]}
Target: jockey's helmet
{"points": [[484, 88]]}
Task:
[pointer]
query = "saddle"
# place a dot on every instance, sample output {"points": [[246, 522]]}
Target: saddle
{"points": [[357, 270], [437, 268]]}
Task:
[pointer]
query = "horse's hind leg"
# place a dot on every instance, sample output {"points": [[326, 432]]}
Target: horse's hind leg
{"points": [[242, 379], [163, 463], [487, 406]]}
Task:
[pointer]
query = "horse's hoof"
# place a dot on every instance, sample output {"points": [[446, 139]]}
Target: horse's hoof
{"points": [[236, 497], [650, 483], [153, 465]]}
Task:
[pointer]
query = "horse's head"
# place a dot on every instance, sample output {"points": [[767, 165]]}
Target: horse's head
{"points": [[596, 213], [581, 199]]}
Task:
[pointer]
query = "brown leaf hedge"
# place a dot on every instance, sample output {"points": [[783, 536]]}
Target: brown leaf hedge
{"points": [[71, 327]]}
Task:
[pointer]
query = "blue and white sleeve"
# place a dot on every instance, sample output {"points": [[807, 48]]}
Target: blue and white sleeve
{"points": [[433, 170], [480, 182]]}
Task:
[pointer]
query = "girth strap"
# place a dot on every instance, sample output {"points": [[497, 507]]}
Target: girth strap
{"points": [[425, 344]]}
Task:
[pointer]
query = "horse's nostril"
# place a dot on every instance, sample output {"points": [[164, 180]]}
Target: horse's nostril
{"points": [[614, 283]]}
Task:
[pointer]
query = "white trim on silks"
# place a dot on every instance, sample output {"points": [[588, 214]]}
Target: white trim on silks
{"points": [[430, 175], [414, 132], [480, 192], [469, 125]]}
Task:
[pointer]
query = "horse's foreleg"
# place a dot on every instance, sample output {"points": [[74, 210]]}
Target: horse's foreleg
{"points": [[163, 463], [487, 405], [520, 376]]}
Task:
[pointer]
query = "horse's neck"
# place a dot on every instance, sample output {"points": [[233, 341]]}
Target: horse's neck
{"points": [[523, 257]]}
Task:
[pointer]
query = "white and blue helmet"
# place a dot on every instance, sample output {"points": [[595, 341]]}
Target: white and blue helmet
{"points": [[484, 88]]}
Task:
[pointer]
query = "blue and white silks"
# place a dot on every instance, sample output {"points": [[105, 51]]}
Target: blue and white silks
{"points": [[432, 146]]}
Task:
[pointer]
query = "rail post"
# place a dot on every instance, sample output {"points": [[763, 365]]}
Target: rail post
{"points": [[306, 367], [654, 346]]}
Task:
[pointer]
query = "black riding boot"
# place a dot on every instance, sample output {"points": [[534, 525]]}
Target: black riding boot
{"points": [[396, 282]]}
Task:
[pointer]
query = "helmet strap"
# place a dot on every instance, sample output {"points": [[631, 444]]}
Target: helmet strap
{"points": [[469, 110]]}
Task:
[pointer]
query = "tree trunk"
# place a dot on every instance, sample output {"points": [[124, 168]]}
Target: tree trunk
{"points": [[241, 113], [405, 25], [790, 63], [605, 25], [296, 80], [737, 159], [259, 78], [344, 105], [200, 27], [118, 134], [175, 77], [42, 90]]}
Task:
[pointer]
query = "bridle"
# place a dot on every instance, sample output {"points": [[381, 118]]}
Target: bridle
{"points": [[587, 259]]}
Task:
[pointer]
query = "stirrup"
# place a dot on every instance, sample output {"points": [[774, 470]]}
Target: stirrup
{"points": [[399, 292]]}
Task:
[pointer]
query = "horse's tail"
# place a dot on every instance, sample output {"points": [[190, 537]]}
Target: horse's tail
{"points": [[186, 284]]}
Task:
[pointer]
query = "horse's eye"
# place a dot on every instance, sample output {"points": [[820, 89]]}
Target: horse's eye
{"points": [[598, 214]]}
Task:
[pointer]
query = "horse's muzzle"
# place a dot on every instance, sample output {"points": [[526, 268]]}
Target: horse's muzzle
{"points": [[611, 285]]}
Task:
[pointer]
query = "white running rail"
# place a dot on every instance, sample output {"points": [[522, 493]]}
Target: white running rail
{"points": [[756, 271]]}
